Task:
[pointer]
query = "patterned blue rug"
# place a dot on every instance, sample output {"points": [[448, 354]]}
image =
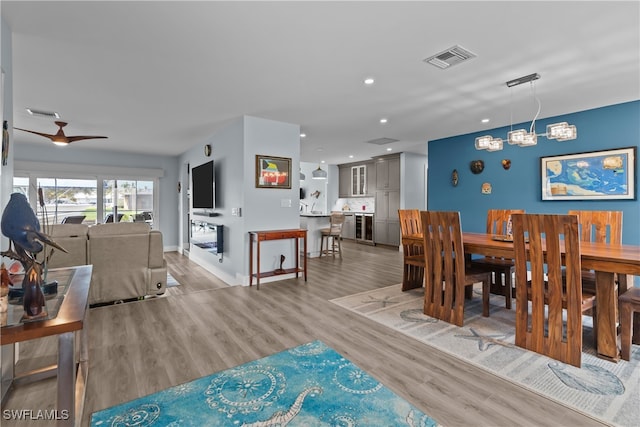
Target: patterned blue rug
{"points": [[309, 385]]}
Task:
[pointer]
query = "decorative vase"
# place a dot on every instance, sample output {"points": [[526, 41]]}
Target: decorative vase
{"points": [[33, 298]]}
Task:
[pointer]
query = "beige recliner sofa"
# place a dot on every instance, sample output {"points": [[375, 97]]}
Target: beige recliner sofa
{"points": [[127, 258]]}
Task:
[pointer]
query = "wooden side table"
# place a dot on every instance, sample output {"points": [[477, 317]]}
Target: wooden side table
{"points": [[71, 370], [260, 236]]}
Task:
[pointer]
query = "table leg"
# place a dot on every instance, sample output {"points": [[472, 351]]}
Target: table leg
{"points": [[8, 369], [297, 252], [66, 379], [607, 314], [305, 256], [250, 259], [258, 262]]}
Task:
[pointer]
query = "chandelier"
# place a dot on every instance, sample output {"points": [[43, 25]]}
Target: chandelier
{"points": [[559, 131]]}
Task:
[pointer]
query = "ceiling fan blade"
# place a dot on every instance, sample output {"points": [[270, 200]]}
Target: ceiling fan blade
{"points": [[46, 135], [80, 137], [60, 138]]}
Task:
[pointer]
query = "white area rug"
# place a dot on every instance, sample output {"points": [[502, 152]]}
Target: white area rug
{"points": [[604, 390]]}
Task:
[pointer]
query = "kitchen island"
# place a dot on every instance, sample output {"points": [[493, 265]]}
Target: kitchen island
{"points": [[313, 223]]}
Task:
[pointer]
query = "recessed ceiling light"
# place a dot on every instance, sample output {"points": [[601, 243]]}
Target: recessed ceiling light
{"points": [[383, 120], [351, 156], [303, 135], [485, 120], [321, 161], [369, 81], [320, 149], [389, 149]]}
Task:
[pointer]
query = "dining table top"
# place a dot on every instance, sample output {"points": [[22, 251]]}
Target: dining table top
{"points": [[616, 258]]}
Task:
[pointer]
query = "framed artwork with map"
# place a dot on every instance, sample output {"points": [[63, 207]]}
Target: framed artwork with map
{"points": [[596, 175]]}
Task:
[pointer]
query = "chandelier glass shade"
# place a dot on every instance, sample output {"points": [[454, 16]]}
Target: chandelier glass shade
{"points": [[319, 173]]}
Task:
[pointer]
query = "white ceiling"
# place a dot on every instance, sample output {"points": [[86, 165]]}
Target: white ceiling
{"points": [[160, 77]]}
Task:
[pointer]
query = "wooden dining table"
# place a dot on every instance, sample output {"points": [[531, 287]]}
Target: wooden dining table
{"points": [[605, 259]]}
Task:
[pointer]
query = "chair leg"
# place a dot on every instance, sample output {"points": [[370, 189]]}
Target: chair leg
{"points": [[340, 247], [626, 325], [321, 244], [486, 285], [507, 288]]}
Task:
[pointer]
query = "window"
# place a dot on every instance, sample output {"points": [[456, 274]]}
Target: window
{"points": [[68, 198], [127, 200]]}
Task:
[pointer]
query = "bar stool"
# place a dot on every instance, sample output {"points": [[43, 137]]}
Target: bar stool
{"points": [[629, 303], [332, 236]]}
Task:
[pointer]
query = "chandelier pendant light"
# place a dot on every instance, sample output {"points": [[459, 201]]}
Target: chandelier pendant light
{"points": [[558, 131], [319, 173]]}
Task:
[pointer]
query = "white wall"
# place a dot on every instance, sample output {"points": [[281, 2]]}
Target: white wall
{"points": [[234, 153], [413, 181], [6, 172]]}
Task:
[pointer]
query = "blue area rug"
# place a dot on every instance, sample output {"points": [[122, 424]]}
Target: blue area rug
{"points": [[309, 385]]}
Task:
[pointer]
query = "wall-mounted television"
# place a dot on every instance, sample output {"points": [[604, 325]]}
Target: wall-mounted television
{"points": [[203, 186]]}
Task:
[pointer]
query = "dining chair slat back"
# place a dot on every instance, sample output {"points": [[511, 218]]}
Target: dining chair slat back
{"points": [[501, 268], [447, 280], [549, 309], [600, 227], [413, 254]]}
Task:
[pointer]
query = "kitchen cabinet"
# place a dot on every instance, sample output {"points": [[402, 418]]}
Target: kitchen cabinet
{"points": [[387, 200], [349, 227], [356, 180], [344, 181], [359, 180], [388, 173]]}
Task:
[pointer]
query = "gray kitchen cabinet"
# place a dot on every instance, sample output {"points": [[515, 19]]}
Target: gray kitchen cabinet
{"points": [[386, 217], [356, 180], [387, 199], [388, 173], [344, 181], [349, 227]]}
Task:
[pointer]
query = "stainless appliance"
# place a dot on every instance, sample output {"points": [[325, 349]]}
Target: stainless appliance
{"points": [[364, 228]]}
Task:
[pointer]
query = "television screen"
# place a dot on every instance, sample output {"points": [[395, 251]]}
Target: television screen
{"points": [[203, 186]]}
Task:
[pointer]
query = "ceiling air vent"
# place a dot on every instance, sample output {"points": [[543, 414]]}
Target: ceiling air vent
{"points": [[42, 113], [382, 141], [450, 57]]}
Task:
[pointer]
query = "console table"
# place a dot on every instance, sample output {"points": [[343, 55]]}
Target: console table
{"points": [[69, 321], [260, 236]]}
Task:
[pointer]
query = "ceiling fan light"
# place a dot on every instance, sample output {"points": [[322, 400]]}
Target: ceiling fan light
{"points": [[60, 143]]}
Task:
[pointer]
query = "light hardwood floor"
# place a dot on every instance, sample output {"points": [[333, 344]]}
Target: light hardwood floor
{"points": [[204, 326]]}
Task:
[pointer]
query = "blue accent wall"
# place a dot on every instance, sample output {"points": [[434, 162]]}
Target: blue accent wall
{"points": [[614, 126]]}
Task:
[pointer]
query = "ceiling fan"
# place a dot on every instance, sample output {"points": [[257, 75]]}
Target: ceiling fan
{"points": [[59, 138]]}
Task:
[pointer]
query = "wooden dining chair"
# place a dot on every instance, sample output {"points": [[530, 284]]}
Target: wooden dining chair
{"points": [[548, 309], [332, 236], [502, 269], [413, 254], [600, 227], [447, 279]]}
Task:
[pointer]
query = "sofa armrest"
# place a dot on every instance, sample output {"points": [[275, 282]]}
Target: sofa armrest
{"points": [[156, 250]]}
